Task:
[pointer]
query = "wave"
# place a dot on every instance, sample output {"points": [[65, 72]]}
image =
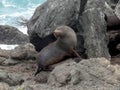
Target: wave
{"points": [[20, 3], [12, 10]]}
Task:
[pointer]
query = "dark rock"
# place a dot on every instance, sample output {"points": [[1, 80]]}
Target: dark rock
{"points": [[39, 42], [48, 16], [113, 28], [82, 6], [114, 42], [80, 46], [94, 27], [112, 3], [118, 47], [11, 35], [113, 22]]}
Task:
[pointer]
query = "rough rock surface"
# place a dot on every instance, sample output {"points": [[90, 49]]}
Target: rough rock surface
{"points": [[12, 79], [26, 51], [63, 12], [17, 67], [11, 35], [21, 52], [102, 5], [48, 16], [64, 74], [4, 86], [117, 10], [95, 33], [89, 74], [95, 73]]}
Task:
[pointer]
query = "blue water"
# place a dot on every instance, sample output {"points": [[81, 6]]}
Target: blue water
{"points": [[12, 10]]}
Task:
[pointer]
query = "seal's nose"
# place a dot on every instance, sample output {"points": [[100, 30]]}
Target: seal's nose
{"points": [[57, 32]]}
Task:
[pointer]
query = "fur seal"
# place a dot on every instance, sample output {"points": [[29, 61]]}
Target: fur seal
{"points": [[57, 51]]}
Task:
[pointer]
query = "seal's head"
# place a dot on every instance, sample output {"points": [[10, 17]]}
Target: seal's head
{"points": [[66, 36], [64, 31]]}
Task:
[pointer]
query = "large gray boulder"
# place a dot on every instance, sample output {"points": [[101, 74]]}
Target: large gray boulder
{"points": [[54, 13], [11, 35], [48, 16], [94, 27]]}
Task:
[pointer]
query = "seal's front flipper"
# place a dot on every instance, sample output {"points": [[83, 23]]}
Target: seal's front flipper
{"points": [[38, 70], [77, 60], [75, 53]]}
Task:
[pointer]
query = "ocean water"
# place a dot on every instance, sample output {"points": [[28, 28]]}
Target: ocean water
{"points": [[11, 11]]}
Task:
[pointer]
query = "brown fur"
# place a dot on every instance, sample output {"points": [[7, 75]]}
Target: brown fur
{"points": [[57, 51]]}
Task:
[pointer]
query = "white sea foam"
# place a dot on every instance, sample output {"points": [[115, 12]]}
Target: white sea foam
{"points": [[23, 29], [14, 9], [7, 47]]}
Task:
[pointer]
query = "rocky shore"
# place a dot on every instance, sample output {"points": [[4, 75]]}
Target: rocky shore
{"points": [[89, 74], [97, 25]]}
